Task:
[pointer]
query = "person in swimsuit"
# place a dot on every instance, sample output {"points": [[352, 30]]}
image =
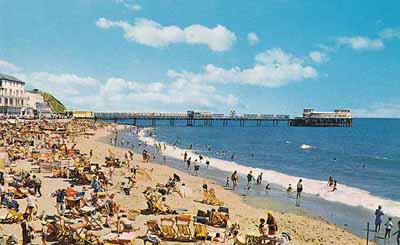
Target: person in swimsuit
{"points": [[299, 188], [378, 218], [234, 178]]}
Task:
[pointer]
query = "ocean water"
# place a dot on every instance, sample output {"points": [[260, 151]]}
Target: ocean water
{"points": [[364, 159]]}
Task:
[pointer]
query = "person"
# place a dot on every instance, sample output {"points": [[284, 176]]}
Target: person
{"points": [[188, 162], [26, 230], [185, 156], [250, 178], [234, 179], [2, 193], [259, 178], [96, 184], [389, 227], [44, 233], [91, 153], [378, 218], [71, 192], [268, 187], [330, 181], [227, 182], [165, 208], [272, 225], [30, 205], [262, 229], [38, 184], [334, 186], [60, 197], [233, 157], [217, 238], [289, 189], [126, 188], [185, 192], [196, 167], [110, 172], [397, 233], [299, 188], [207, 163]]}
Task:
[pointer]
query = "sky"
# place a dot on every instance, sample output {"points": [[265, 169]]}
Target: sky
{"points": [[258, 56]]}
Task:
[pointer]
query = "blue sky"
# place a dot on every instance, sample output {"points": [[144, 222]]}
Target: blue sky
{"points": [[259, 56]]}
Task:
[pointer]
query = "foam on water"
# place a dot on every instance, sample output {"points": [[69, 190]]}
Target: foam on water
{"points": [[344, 194]]}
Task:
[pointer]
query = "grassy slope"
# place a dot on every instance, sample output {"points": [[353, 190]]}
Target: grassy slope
{"points": [[55, 105]]}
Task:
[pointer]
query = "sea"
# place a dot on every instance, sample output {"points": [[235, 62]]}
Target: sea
{"points": [[364, 160]]}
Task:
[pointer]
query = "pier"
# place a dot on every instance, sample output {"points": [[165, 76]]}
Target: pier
{"points": [[310, 118], [192, 119]]}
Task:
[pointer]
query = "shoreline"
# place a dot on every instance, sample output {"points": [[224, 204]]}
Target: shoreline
{"points": [[314, 187], [303, 215]]}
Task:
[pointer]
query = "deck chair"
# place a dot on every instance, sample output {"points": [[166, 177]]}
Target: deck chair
{"points": [[13, 216], [252, 240], [167, 229], [77, 232], [266, 240], [183, 232], [200, 231], [133, 213], [153, 227]]}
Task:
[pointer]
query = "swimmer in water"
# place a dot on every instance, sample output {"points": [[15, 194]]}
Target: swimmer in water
{"points": [[268, 187], [289, 189]]}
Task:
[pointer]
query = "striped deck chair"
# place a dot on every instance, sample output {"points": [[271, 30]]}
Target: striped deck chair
{"points": [[167, 228], [183, 232]]}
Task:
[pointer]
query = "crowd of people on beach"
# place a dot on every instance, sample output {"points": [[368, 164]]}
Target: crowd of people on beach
{"points": [[85, 198]]}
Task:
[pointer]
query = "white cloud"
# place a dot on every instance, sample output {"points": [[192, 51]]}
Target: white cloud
{"points": [[150, 33], [134, 7], [318, 57], [252, 38], [66, 87], [390, 33], [126, 95], [7, 67], [273, 68], [118, 92], [379, 110], [361, 43]]}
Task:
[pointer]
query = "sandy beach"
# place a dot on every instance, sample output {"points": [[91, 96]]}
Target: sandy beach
{"points": [[302, 229]]}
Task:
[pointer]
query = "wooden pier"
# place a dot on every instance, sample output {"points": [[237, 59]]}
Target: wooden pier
{"points": [[191, 120]]}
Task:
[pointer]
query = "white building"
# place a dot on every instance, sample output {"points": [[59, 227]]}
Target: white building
{"points": [[339, 114], [36, 105], [12, 96]]}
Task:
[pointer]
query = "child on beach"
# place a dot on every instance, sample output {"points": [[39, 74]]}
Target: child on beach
{"points": [[389, 227], [261, 227], [227, 182]]}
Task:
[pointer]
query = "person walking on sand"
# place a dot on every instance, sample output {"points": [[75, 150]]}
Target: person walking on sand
{"points": [[38, 184], [259, 178], [378, 218], [26, 230], [234, 179], [299, 191], [389, 227], [272, 225]]}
